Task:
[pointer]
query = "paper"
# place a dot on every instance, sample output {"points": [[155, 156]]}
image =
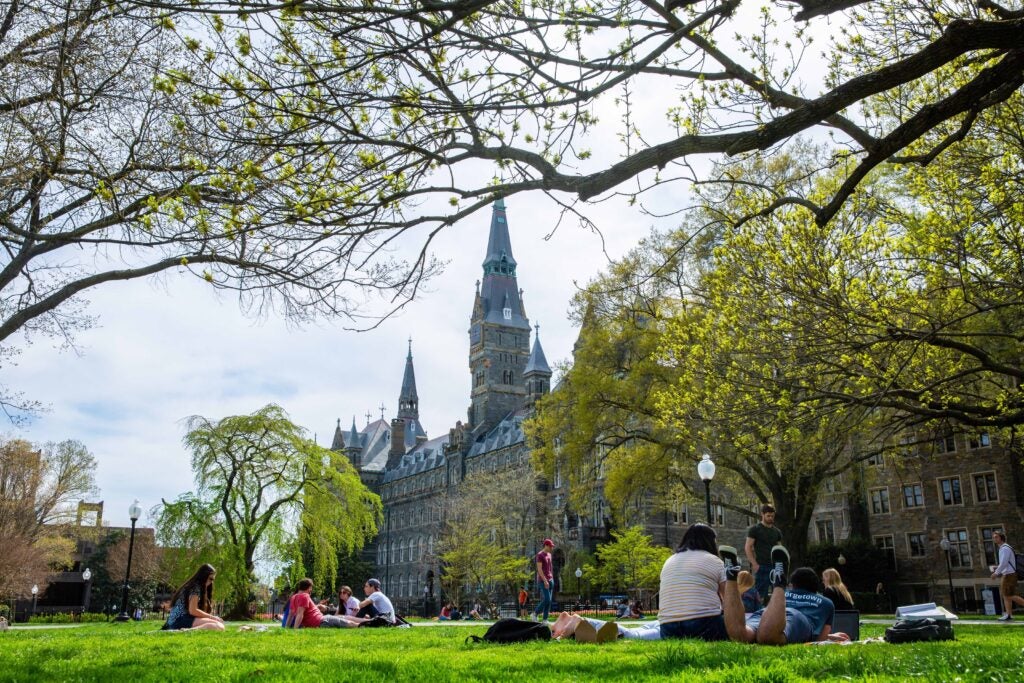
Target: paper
{"points": [[927, 610]]}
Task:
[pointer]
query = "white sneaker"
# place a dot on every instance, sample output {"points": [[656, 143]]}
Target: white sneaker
{"points": [[1005, 617]]}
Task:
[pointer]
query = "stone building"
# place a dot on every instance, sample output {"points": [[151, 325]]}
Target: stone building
{"points": [[412, 472], [952, 487]]}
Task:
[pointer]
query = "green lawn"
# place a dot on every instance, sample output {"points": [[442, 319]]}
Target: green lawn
{"points": [[136, 652]]}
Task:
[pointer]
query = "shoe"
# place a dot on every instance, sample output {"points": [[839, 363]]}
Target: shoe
{"points": [[732, 572], [585, 632], [608, 632], [728, 555], [780, 567], [1005, 617]]}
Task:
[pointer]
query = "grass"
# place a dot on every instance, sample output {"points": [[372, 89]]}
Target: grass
{"points": [[136, 652]]}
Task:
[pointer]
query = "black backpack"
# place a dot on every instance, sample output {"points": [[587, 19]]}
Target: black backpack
{"points": [[919, 631], [510, 630]]}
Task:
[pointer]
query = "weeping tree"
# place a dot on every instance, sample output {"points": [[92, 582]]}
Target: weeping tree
{"points": [[263, 491]]}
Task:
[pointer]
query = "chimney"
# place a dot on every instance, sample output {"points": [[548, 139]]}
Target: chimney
{"points": [[397, 443]]}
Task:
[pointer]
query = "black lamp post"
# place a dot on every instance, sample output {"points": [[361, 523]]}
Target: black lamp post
{"points": [[579, 593], [946, 547], [87, 577], [134, 511], [35, 592], [706, 471]]}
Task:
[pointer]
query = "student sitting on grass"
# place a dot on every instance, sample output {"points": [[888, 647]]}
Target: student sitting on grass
{"points": [[191, 604], [303, 613], [797, 615], [692, 582]]}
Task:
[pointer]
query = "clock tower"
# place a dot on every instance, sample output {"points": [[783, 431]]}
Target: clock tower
{"points": [[499, 333]]}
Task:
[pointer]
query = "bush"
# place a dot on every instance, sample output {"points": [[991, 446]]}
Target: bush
{"points": [[5, 611]]}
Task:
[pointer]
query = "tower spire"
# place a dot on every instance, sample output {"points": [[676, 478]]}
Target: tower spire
{"points": [[408, 401]]}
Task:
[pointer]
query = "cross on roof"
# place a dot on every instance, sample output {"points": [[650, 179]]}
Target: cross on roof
{"points": [[368, 416], [382, 411]]}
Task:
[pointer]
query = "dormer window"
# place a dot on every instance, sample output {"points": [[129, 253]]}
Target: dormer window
{"points": [[507, 312]]}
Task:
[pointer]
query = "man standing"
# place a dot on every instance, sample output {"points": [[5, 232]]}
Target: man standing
{"points": [[1006, 572], [545, 579], [761, 538]]}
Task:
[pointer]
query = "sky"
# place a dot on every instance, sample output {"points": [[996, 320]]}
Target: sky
{"points": [[166, 349]]}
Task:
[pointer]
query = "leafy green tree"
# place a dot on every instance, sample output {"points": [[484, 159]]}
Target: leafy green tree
{"points": [[488, 529], [263, 489], [628, 562]]}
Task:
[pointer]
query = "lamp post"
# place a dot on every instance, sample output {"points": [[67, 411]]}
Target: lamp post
{"points": [[841, 559], [87, 577], [945, 545], [35, 592], [706, 470], [579, 593], [426, 597], [134, 512]]}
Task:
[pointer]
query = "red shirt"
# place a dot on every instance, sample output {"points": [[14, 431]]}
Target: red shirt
{"points": [[544, 558], [311, 618]]}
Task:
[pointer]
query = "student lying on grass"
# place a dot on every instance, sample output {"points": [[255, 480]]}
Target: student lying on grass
{"points": [[797, 615]]}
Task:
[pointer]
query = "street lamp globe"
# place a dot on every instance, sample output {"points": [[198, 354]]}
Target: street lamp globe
{"points": [[579, 573], [706, 468], [135, 510], [35, 590], [86, 575], [841, 559], [944, 544]]}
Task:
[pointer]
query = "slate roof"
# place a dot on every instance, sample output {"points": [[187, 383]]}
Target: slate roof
{"points": [[427, 456], [508, 432]]}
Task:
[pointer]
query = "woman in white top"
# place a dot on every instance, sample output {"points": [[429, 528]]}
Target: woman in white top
{"points": [[692, 585]]}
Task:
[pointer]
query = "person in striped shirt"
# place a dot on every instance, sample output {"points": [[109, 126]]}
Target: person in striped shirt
{"points": [[692, 585]]}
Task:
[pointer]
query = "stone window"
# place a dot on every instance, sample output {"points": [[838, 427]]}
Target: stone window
{"points": [[959, 548], [717, 514], [917, 544], [949, 491], [985, 490], [913, 496], [945, 444], [880, 501], [977, 441], [681, 514], [988, 546], [887, 546], [826, 531]]}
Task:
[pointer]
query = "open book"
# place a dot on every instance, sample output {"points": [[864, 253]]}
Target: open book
{"points": [[924, 611]]}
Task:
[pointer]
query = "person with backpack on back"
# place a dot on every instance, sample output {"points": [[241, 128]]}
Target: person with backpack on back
{"points": [[1006, 572]]}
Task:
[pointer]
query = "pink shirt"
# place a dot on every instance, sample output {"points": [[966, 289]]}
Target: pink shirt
{"points": [[311, 618]]}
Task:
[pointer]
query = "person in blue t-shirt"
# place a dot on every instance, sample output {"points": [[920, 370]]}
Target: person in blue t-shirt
{"points": [[797, 615]]}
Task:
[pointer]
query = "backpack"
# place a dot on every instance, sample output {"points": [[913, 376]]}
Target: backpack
{"points": [[1018, 562], [919, 631], [511, 630]]}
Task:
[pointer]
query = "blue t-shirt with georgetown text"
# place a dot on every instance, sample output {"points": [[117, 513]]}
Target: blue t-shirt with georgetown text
{"points": [[818, 609]]}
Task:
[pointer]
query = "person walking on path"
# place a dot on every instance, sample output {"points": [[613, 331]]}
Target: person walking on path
{"points": [[545, 579], [1006, 572], [761, 538]]}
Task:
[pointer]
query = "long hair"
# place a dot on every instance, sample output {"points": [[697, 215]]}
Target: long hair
{"points": [[198, 580], [699, 537], [831, 578]]}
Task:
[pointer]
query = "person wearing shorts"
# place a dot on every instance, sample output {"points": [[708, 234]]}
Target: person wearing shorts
{"points": [[1006, 572]]}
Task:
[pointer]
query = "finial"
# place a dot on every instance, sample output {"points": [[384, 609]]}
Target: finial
{"points": [[410, 346], [382, 411], [536, 328], [339, 423], [368, 416]]}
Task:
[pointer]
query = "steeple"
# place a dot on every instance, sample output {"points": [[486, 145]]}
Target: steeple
{"points": [[408, 401], [338, 444], [500, 292], [353, 435], [353, 445], [537, 374]]}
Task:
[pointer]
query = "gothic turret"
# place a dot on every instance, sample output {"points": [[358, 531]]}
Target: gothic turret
{"points": [[338, 443], [354, 445], [537, 374]]}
